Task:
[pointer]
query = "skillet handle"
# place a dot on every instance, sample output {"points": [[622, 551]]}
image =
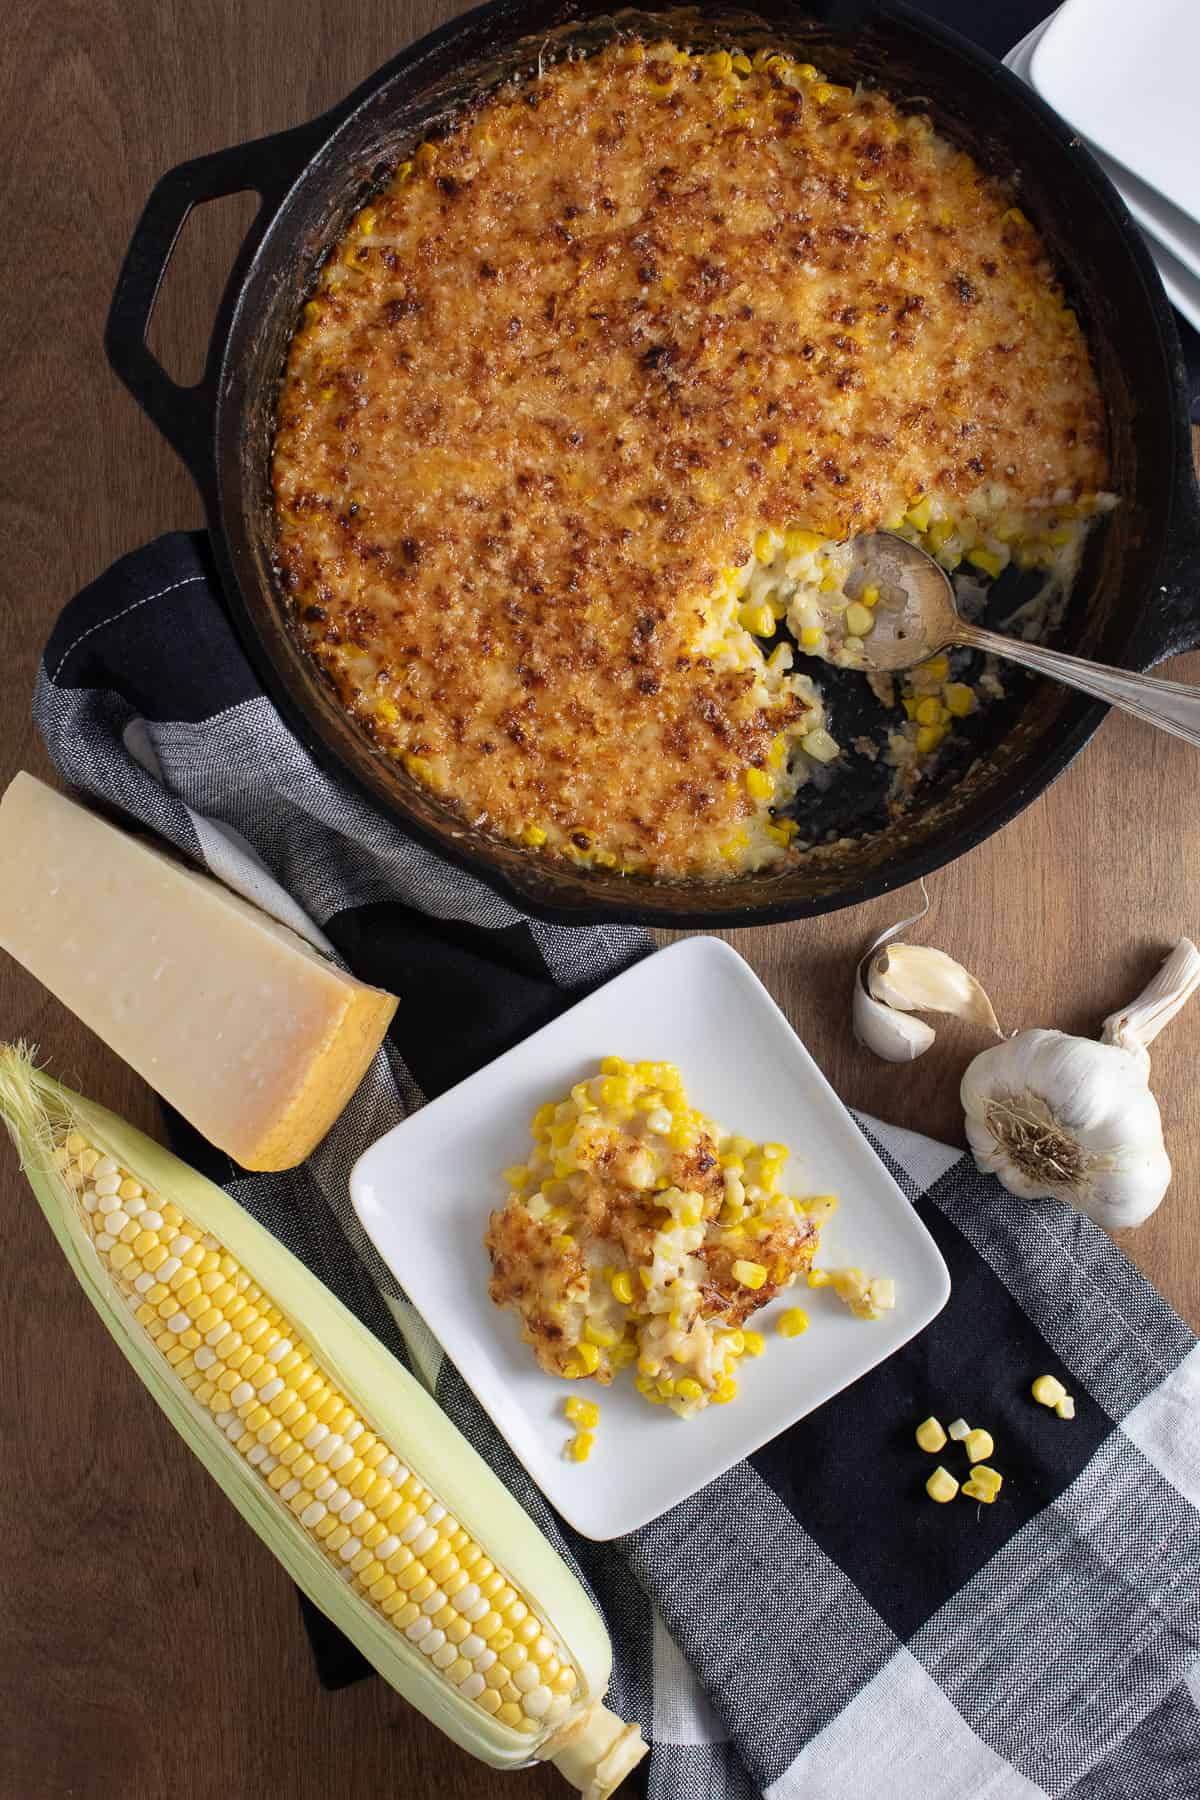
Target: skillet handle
{"points": [[183, 414]]}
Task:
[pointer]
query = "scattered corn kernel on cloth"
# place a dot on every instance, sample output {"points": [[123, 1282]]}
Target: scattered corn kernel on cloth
{"points": [[810, 1624]]}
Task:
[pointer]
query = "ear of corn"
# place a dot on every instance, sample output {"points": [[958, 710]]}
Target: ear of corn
{"points": [[343, 1465]]}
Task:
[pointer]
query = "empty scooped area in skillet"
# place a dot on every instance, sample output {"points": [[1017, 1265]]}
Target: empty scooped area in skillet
{"points": [[1017, 744]]}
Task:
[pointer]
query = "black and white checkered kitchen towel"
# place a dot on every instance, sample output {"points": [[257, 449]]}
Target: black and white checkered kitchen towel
{"points": [[810, 1624]]}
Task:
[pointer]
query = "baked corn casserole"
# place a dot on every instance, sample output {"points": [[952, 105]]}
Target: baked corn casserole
{"points": [[640, 1234], [584, 407]]}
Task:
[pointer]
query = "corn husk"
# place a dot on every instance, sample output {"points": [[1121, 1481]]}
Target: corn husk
{"points": [[38, 1112]]}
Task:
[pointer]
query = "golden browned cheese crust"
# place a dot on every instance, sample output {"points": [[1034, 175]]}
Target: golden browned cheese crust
{"points": [[546, 1277], [567, 365]]}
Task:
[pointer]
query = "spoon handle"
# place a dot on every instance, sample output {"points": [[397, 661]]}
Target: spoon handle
{"points": [[1171, 705]]}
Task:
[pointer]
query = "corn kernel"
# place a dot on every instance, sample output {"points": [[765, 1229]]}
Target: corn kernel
{"points": [[918, 515], [793, 1323], [958, 698], [929, 737], [584, 1412], [930, 1435], [754, 1343], [811, 636], [1048, 1390], [859, 620], [958, 1429], [758, 620], [580, 1447], [820, 745], [1065, 1408], [749, 1274], [978, 1444], [760, 784], [985, 559], [941, 1486], [819, 1278], [984, 1477]]}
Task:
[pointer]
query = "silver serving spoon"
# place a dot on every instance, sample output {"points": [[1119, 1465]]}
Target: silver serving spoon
{"points": [[917, 616]]}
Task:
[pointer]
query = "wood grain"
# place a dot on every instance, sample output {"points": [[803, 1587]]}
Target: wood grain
{"points": [[150, 1645]]}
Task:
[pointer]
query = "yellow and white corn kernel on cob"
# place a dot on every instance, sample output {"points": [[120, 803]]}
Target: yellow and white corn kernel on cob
{"points": [[341, 1462]]}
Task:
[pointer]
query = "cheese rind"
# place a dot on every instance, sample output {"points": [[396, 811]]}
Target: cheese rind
{"points": [[235, 1020]]}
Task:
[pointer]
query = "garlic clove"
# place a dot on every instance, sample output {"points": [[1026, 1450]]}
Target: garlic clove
{"points": [[1133, 1188], [892, 981], [894, 1036], [891, 1035], [917, 978]]}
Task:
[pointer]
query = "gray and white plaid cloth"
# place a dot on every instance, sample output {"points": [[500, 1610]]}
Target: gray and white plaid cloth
{"points": [[809, 1625]]}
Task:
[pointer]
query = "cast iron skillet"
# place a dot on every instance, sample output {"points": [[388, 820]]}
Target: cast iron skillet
{"points": [[1136, 601]]}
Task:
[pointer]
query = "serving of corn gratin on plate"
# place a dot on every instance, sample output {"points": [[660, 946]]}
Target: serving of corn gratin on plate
{"points": [[641, 1233], [647, 1261], [584, 407]]}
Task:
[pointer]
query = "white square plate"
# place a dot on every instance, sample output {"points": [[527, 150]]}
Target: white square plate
{"points": [[1126, 78], [1172, 239], [424, 1191]]}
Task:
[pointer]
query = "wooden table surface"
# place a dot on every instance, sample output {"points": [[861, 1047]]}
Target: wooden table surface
{"points": [[151, 1647]]}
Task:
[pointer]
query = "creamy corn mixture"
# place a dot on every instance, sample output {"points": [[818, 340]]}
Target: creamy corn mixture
{"points": [[640, 1234]]}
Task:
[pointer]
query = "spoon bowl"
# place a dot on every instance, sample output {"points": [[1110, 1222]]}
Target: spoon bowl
{"points": [[916, 615]]}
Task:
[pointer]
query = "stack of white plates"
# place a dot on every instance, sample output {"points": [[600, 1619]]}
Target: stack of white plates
{"points": [[1124, 77]]}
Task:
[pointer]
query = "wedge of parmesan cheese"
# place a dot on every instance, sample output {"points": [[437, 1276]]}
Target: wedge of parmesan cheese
{"points": [[242, 1026]]}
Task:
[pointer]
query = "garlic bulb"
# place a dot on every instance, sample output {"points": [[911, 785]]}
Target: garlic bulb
{"points": [[893, 981], [1055, 1116]]}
